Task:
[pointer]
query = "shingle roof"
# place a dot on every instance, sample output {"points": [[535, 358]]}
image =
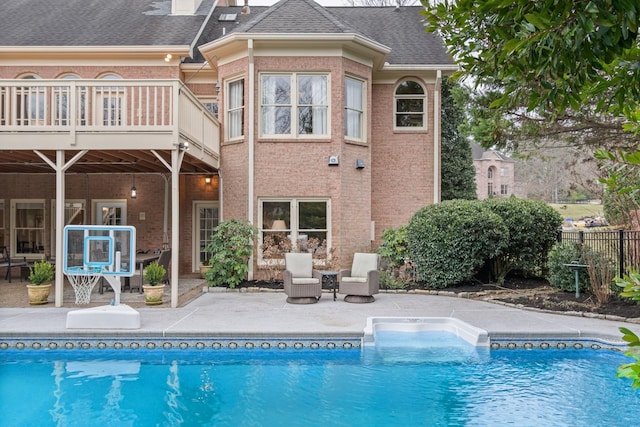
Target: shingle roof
{"points": [[149, 23], [97, 23]]}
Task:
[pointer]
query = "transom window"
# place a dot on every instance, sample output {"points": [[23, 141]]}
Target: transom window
{"points": [[294, 104], [353, 108], [235, 109], [294, 225], [410, 105]]}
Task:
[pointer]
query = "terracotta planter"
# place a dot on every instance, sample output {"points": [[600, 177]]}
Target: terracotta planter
{"points": [[203, 270], [153, 294], [38, 294]]}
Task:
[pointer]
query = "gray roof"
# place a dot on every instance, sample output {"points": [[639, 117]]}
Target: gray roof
{"points": [[97, 23], [149, 23]]}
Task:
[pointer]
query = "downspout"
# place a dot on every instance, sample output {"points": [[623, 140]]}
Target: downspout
{"points": [[251, 145], [437, 138]]}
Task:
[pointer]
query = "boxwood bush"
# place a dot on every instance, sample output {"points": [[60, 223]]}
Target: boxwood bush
{"points": [[450, 241], [562, 277], [533, 228]]}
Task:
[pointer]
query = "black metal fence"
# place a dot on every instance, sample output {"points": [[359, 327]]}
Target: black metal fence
{"points": [[621, 246]]}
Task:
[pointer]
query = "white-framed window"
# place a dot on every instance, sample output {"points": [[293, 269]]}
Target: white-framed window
{"points": [[32, 107], [503, 171], [27, 233], [211, 104], [61, 97], [294, 105], [354, 108], [235, 109], [294, 225], [111, 103], [206, 216], [2, 242], [490, 173], [490, 192], [504, 190], [110, 212], [75, 213], [410, 106]]}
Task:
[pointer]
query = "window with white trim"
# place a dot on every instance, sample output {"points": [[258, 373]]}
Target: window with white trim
{"points": [[62, 96], [27, 233], [2, 243], [294, 104], [294, 225], [111, 100], [235, 109], [353, 108], [410, 105], [504, 190], [31, 105]]}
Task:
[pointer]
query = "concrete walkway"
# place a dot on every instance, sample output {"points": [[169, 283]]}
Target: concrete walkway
{"points": [[254, 314]]}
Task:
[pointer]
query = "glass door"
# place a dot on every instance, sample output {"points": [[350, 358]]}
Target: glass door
{"points": [[206, 218]]}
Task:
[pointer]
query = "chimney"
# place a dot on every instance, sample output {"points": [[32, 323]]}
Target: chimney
{"points": [[246, 9], [184, 7]]}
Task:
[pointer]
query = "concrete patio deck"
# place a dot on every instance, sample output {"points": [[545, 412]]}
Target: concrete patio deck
{"points": [[254, 314]]}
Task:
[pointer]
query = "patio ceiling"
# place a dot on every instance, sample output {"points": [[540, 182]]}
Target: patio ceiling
{"points": [[100, 161]]}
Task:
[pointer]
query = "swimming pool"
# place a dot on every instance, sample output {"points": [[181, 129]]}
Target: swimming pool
{"points": [[383, 385]]}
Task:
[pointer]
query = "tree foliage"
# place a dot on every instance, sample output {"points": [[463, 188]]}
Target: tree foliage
{"points": [[458, 173], [553, 54]]}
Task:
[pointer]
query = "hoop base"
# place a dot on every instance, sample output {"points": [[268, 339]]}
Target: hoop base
{"points": [[104, 317]]}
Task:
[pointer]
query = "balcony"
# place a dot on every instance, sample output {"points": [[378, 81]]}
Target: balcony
{"points": [[145, 118]]}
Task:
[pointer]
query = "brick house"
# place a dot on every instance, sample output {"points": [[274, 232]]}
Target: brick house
{"points": [[308, 121], [495, 173]]}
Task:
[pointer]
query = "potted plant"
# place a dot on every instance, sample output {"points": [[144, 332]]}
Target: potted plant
{"points": [[153, 289], [40, 275]]}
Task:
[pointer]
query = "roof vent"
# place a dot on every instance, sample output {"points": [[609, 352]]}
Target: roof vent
{"points": [[246, 9]]}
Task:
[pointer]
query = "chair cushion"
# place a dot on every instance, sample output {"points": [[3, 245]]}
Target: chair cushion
{"points": [[354, 280], [304, 281], [363, 263], [299, 264]]}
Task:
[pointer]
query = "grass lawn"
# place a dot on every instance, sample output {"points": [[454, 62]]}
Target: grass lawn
{"points": [[577, 211]]}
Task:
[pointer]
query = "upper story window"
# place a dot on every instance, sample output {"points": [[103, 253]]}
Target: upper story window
{"points": [[31, 105], [294, 105], [62, 96], [235, 109], [353, 108], [111, 99], [490, 173], [410, 105], [503, 171]]}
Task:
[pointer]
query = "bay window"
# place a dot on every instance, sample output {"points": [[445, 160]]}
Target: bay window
{"points": [[235, 109], [353, 108], [294, 105]]}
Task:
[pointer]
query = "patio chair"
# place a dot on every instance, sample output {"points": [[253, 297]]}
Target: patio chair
{"points": [[302, 283], [363, 280], [9, 264], [165, 260]]}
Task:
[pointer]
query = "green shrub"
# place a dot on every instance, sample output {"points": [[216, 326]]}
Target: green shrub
{"points": [[394, 246], [154, 273], [41, 273], [230, 248], [533, 228], [450, 241], [562, 277]]}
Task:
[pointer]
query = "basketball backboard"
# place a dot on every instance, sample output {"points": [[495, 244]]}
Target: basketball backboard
{"points": [[111, 249]]}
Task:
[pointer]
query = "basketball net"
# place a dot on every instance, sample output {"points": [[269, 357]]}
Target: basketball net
{"points": [[83, 280]]}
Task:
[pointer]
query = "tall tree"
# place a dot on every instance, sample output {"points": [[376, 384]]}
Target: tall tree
{"points": [[458, 173]]}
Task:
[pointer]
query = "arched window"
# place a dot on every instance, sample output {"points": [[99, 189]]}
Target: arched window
{"points": [[410, 105], [111, 99], [62, 96], [31, 108]]}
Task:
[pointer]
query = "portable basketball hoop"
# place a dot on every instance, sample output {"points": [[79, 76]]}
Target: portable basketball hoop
{"points": [[83, 280]]}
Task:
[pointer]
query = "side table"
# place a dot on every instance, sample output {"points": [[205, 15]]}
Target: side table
{"points": [[330, 278]]}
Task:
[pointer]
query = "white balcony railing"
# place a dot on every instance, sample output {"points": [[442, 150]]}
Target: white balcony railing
{"points": [[127, 106]]}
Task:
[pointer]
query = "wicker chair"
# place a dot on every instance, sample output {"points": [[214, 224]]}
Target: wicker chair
{"points": [[302, 283], [363, 280]]}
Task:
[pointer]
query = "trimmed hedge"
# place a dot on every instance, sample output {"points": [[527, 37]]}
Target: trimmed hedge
{"points": [[533, 228], [450, 241]]}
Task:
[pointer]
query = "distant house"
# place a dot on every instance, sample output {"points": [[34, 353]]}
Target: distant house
{"points": [[495, 175], [307, 121]]}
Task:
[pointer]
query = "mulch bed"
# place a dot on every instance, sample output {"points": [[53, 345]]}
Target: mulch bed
{"points": [[526, 292]]}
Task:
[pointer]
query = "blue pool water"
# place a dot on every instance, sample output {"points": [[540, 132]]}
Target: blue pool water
{"points": [[391, 384]]}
